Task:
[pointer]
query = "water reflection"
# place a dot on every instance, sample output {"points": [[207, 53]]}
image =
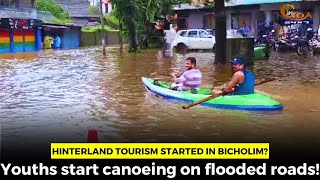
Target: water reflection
{"points": [[59, 95]]}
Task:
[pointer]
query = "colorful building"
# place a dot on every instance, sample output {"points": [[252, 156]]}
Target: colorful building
{"points": [[20, 30]]}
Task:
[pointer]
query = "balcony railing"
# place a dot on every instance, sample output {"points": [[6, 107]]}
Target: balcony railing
{"points": [[19, 13]]}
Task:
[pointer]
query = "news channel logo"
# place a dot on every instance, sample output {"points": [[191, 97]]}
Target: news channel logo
{"points": [[290, 15]]}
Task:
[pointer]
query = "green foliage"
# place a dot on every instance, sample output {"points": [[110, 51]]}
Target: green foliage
{"points": [[127, 10], [137, 16], [59, 21], [51, 6], [94, 10], [112, 18], [96, 28]]}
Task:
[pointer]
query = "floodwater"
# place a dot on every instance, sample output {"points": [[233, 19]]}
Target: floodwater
{"points": [[57, 96]]}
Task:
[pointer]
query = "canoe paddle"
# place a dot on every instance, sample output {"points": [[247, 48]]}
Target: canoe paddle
{"points": [[262, 81]]}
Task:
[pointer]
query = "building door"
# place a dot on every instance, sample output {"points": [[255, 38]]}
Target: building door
{"points": [[70, 39], [18, 41], [30, 42], [4, 41], [24, 40]]}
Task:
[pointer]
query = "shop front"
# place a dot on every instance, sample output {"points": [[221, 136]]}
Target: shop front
{"points": [[20, 35]]}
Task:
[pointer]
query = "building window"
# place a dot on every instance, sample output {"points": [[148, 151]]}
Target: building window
{"points": [[106, 8], [182, 23], [209, 21], [240, 20], [234, 21]]}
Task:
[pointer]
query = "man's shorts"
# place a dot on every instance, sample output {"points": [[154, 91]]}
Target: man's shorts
{"points": [[178, 87]]}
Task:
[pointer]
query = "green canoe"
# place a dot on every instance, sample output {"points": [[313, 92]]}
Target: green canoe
{"points": [[251, 102]]}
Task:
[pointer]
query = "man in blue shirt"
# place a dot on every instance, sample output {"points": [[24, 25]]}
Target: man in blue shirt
{"points": [[245, 30], [57, 42], [242, 82]]}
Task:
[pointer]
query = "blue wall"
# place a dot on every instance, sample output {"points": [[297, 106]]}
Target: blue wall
{"points": [[38, 40], [70, 39]]}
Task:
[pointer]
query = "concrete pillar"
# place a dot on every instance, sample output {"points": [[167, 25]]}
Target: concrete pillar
{"points": [[24, 41], [241, 46], [268, 17], [109, 8], [315, 16], [168, 44], [228, 19], [254, 23], [11, 42], [38, 40]]}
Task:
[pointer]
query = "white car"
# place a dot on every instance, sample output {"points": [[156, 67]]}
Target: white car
{"points": [[194, 39]]}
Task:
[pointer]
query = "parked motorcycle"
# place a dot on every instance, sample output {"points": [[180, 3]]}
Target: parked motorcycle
{"points": [[304, 47], [315, 43], [267, 40], [308, 44], [287, 43]]}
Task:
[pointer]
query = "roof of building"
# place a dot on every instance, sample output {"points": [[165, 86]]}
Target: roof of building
{"points": [[48, 18], [76, 8]]}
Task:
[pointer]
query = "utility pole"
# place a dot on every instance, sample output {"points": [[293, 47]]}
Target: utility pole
{"points": [[103, 34], [120, 35], [167, 49]]}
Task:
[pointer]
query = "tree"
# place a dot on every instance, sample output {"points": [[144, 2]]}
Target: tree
{"points": [[51, 6], [220, 34], [137, 15], [127, 11]]}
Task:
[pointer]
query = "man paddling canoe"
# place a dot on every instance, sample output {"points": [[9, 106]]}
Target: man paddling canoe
{"points": [[242, 82]]}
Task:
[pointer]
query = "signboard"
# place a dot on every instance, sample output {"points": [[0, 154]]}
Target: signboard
{"points": [[18, 13], [10, 23], [292, 16]]}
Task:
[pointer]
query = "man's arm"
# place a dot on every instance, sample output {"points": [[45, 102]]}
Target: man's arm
{"points": [[236, 79], [179, 80]]}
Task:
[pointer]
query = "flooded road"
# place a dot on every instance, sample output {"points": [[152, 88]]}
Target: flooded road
{"points": [[56, 96]]}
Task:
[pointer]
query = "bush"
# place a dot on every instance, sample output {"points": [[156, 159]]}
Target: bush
{"points": [[96, 28], [51, 6], [93, 10]]}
